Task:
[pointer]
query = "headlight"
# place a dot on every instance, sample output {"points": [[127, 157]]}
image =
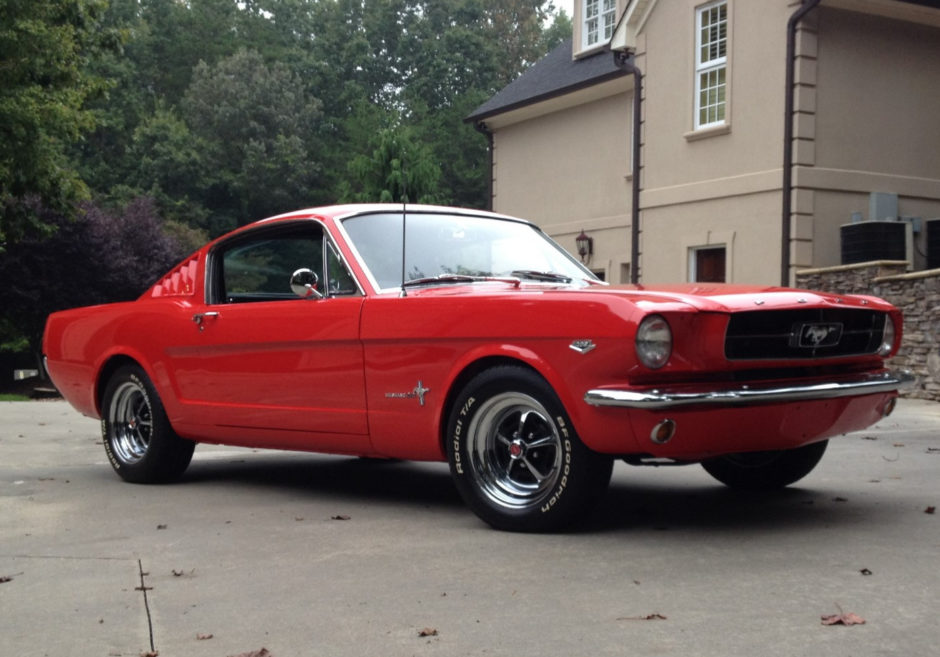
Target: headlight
{"points": [[887, 338], [653, 342]]}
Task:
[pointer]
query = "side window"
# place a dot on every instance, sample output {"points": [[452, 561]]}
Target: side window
{"points": [[259, 269], [258, 266], [341, 281]]}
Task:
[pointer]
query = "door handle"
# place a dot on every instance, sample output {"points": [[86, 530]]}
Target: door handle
{"points": [[199, 318]]}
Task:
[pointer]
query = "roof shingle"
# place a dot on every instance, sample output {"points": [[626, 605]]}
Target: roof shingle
{"points": [[554, 75]]}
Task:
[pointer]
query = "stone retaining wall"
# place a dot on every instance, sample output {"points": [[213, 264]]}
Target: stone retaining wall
{"points": [[916, 294]]}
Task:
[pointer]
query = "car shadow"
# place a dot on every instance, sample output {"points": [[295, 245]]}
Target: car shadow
{"points": [[714, 507], [315, 475], [669, 502]]}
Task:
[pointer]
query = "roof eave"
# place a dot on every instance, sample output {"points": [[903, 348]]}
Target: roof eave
{"points": [[549, 95]]}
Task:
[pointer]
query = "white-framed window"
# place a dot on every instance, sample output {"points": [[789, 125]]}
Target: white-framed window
{"points": [[708, 264], [711, 64], [599, 20]]}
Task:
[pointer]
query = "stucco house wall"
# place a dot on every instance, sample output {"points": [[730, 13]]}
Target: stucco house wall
{"points": [[547, 166], [865, 120], [872, 125]]}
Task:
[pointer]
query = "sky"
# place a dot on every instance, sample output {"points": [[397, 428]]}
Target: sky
{"points": [[567, 5]]}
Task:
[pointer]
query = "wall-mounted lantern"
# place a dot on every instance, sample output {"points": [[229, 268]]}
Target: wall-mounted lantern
{"points": [[585, 244]]}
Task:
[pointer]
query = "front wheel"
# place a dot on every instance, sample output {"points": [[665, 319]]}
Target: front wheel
{"points": [[515, 458], [138, 439], [765, 470]]}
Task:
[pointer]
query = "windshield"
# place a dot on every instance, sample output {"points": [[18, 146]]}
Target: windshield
{"points": [[448, 246]]}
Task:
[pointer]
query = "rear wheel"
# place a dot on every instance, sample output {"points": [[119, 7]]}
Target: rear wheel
{"points": [[765, 470], [138, 439], [515, 458]]}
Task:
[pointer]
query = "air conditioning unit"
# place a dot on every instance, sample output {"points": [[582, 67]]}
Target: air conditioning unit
{"points": [[876, 240], [933, 243]]}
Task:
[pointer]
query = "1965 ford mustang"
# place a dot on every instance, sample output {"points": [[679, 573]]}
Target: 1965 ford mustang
{"points": [[446, 334]]}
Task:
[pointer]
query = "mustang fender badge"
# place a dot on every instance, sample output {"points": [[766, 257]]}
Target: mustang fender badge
{"points": [[418, 393], [583, 346]]}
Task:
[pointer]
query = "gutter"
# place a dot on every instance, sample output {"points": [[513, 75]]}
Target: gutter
{"points": [[482, 128], [807, 6], [627, 63]]}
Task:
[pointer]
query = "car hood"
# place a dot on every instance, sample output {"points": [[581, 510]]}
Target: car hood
{"points": [[707, 297], [712, 297]]}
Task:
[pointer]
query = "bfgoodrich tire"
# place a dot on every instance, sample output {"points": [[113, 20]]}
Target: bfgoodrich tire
{"points": [[765, 470], [515, 458], [138, 439]]}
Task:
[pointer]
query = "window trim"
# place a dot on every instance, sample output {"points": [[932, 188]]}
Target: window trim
{"points": [[583, 24], [716, 65]]}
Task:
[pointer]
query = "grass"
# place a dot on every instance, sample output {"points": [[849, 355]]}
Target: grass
{"points": [[10, 397]]}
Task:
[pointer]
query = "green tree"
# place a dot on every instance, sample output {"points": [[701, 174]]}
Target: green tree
{"points": [[43, 94], [257, 126], [167, 162], [399, 169]]}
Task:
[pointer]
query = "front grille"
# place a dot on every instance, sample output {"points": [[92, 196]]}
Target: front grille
{"points": [[803, 333]]}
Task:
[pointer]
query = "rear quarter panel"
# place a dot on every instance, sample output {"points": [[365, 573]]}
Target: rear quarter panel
{"points": [[79, 343]]}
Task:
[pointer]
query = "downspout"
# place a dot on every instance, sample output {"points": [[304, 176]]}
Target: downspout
{"points": [[807, 6], [627, 62], [484, 130]]}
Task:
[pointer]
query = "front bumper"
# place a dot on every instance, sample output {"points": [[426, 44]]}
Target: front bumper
{"points": [[657, 399]]}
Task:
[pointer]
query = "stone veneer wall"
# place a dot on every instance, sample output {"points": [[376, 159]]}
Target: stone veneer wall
{"points": [[916, 294]]}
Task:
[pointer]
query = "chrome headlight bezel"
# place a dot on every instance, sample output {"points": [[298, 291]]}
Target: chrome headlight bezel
{"points": [[888, 336], [653, 342]]}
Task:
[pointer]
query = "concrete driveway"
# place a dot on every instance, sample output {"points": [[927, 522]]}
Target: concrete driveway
{"points": [[307, 555]]}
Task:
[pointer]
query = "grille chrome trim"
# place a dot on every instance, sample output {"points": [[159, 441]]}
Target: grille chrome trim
{"points": [[782, 334]]}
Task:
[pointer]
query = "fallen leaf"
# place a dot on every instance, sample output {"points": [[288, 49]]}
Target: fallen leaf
{"points": [[865, 571], [843, 619], [648, 617], [898, 444], [340, 518], [254, 653], [428, 631], [5, 579], [869, 438], [931, 510], [161, 526], [150, 653], [203, 637]]}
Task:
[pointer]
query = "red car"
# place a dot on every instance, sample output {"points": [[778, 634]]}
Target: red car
{"points": [[445, 334]]}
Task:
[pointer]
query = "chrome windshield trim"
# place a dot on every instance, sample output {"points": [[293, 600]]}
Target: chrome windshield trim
{"points": [[865, 384]]}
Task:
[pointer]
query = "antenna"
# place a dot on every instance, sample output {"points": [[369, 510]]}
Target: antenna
{"points": [[404, 221]]}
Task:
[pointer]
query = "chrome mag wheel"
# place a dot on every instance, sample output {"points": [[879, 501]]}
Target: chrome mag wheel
{"points": [[138, 438], [131, 420], [515, 457], [515, 450]]}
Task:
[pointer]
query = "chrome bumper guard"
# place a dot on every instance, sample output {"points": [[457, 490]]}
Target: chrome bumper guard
{"points": [[865, 384]]}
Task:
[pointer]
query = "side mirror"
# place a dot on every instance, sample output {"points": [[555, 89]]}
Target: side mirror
{"points": [[303, 283]]}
